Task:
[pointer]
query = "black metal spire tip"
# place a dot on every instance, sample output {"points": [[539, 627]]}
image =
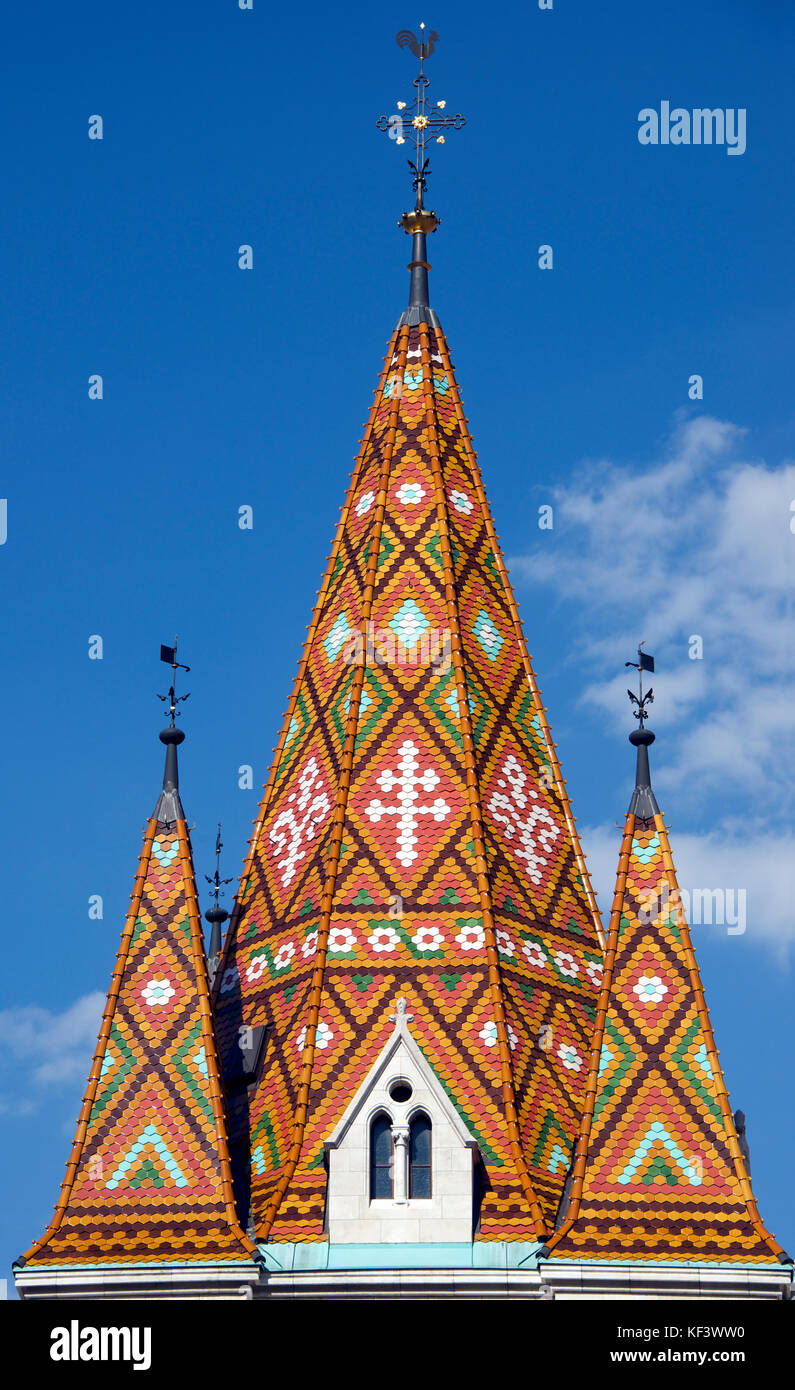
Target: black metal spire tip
{"points": [[643, 803], [416, 124], [168, 807], [216, 915]]}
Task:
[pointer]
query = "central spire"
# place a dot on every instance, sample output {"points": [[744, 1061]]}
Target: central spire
{"points": [[415, 839], [417, 123]]}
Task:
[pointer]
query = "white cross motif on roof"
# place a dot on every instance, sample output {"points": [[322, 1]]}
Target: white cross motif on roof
{"points": [[527, 825], [297, 823], [409, 781]]}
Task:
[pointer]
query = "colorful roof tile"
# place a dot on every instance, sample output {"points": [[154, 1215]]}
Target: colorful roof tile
{"points": [[414, 837], [658, 1172], [148, 1178]]}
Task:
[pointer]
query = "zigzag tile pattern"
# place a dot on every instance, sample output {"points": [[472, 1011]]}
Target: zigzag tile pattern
{"points": [[659, 1175], [148, 1179], [414, 838]]}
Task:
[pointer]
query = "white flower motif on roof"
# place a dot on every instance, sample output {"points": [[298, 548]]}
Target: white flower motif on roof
{"points": [[365, 503], [384, 939], [534, 954], [284, 955], [527, 826], [428, 938], [594, 970], [310, 945], [566, 963], [407, 782], [323, 1036], [297, 823], [461, 502], [341, 939], [410, 494], [157, 992], [471, 937], [505, 944], [650, 989], [489, 1035], [256, 969], [570, 1057]]}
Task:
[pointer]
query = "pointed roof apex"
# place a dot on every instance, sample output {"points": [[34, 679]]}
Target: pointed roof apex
{"points": [[643, 803], [169, 806]]}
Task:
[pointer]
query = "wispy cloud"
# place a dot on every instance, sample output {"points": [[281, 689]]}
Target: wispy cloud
{"points": [[47, 1049], [732, 859], [696, 544]]}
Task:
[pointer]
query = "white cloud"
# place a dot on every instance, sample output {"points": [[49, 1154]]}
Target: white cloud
{"points": [[695, 543], [55, 1047], [757, 862]]}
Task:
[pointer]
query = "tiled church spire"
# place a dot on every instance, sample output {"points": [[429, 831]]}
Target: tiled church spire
{"points": [[148, 1181], [415, 836], [659, 1175]]}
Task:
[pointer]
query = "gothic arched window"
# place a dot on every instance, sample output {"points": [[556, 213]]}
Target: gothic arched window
{"points": [[420, 1156], [381, 1158]]}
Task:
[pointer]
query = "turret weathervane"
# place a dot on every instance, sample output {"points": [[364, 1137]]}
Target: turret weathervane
{"points": [[640, 701]]}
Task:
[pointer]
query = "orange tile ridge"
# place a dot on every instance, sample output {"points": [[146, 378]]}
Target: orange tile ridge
{"points": [[208, 1036], [517, 624], [320, 608], [712, 1051], [78, 1143], [473, 791], [602, 1006], [335, 842]]}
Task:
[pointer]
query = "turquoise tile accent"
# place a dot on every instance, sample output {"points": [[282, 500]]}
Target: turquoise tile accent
{"points": [[488, 635], [409, 623], [646, 853], [337, 636], [163, 855], [149, 1138]]}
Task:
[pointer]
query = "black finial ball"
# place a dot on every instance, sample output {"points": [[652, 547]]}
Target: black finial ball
{"points": [[641, 737], [215, 914], [171, 736]]}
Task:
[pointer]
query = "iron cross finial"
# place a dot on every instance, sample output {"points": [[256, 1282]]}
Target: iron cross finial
{"points": [[643, 663], [417, 122], [217, 883], [169, 655]]}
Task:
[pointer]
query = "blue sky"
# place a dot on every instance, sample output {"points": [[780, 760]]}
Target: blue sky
{"points": [[224, 388]]}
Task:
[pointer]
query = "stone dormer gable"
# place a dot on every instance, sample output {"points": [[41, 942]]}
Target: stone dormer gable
{"points": [[401, 1159]]}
